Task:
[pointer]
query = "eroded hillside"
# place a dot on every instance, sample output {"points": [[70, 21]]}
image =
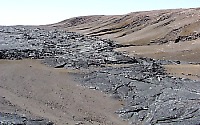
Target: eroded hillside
{"points": [[140, 28]]}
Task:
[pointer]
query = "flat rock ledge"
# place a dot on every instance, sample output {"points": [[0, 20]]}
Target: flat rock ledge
{"points": [[151, 96]]}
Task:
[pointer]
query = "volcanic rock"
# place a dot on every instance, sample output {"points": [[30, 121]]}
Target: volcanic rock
{"points": [[152, 97]]}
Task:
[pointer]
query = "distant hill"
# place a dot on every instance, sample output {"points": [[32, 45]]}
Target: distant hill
{"points": [[140, 28]]}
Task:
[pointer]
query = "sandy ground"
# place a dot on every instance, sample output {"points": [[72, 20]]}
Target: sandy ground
{"points": [[184, 51], [33, 89], [186, 71]]}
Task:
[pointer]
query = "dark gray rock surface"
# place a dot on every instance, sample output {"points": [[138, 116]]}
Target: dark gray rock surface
{"points": [[14, 119], [152, 97], [58, 47]]}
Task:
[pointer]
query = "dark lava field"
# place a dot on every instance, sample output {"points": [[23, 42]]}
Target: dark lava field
{"points": [[151, 96]]}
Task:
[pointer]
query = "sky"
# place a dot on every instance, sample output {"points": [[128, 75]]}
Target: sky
{"points": [[40, 12]]}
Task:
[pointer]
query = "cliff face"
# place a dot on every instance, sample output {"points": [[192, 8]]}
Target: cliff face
{"points": [[140, 28]]}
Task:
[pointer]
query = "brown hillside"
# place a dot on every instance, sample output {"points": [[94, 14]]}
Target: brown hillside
{"points": [[140, 28]]}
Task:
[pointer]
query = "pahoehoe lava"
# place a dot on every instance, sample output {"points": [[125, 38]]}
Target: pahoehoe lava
{"points": [[151, 95]]}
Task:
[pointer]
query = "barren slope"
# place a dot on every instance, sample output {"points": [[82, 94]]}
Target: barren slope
{"points": [[30, 88], [139, 28], [183, 51]]}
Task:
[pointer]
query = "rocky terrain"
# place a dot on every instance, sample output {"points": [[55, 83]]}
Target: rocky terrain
{"points": [[58, 48], [151, 96], [14, 119]]}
